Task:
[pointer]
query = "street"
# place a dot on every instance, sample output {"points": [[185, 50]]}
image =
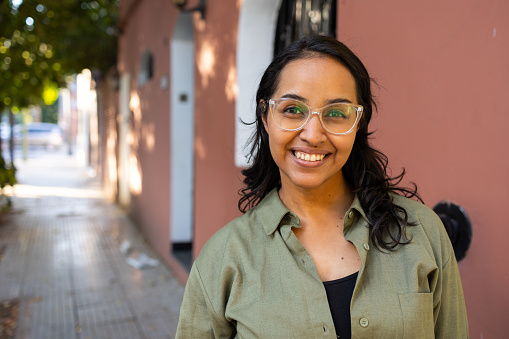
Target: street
{"points": [[76, 264]]}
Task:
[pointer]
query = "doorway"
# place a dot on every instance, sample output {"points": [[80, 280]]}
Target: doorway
{"points": [[182, 140], [124, 194]]}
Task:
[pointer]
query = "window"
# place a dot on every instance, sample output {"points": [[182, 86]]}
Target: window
{"points": [[146, 68], [298, 18], [257, 22]]}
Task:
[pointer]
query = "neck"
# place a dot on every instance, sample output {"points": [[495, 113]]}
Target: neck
{"points": [[325, 201]]}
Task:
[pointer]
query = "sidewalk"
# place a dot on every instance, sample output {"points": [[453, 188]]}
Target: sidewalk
{"points": [[61, 258]]}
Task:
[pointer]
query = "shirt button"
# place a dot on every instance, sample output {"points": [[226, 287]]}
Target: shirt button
{"points": [[364, 322], [303, 261], [350, 214], [366, 247]]}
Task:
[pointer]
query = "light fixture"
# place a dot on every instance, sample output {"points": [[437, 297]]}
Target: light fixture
{"points": [[114, 78], [458, 226], [200, 8], [179, 3]]}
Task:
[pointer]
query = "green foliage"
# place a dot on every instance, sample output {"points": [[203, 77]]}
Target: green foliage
{"points": [[49, 113], [43, 41], [7, 178], [49, 94], [7, 174]]}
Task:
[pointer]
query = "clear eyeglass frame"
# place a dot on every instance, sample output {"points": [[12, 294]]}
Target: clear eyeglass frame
{"points": [[358, 109]]}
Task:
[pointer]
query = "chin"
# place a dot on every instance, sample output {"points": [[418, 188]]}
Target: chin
{"points": [[308, 183], [311, 181]]}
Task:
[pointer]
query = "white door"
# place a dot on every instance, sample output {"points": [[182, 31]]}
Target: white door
{"points": [[124, 196], [182, 132]]}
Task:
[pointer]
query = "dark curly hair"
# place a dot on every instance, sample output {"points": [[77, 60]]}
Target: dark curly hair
{"points": [[366, 169]]}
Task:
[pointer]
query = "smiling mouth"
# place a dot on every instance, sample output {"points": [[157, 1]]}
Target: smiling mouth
{"points": [[309, 156]]}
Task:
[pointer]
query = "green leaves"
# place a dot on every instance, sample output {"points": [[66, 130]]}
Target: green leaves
{"points": [[50, 93], [43, 41]]}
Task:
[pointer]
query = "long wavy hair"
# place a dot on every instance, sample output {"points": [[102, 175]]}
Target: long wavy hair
{"points": [[366, 169]]}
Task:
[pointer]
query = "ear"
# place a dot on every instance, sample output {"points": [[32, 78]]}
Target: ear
{"points": [[264, 107]]}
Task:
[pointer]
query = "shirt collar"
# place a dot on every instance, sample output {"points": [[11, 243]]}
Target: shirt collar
{"points": [[354, 213], [356, 205], [271, 211]]}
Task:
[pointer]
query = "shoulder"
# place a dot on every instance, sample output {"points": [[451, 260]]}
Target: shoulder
{"points": [[227, 257], [418, 212], [426, 229], [246, 235], [231, 242]]}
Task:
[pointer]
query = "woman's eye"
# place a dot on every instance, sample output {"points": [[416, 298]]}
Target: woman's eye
{"points": [[293, 110], [335, 113]]}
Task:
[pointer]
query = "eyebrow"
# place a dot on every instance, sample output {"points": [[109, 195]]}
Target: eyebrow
{"points": [[328, 102]]}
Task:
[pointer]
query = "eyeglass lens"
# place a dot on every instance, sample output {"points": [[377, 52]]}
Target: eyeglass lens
{"points": [[293, 114]]}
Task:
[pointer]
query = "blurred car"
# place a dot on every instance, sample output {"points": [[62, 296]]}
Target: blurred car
{"points": [[5, 131], [39, 134]]}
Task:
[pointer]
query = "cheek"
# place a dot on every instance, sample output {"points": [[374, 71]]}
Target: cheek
{"points": [[278, 142], [350, 145], [351, 141], [345, 144], [275, 144]]}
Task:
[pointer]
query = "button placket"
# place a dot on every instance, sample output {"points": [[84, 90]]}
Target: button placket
{"points": [[349, 219], [364, 322]]}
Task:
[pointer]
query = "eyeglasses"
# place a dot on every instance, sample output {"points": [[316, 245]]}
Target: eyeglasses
{"points": [[292, 115]]}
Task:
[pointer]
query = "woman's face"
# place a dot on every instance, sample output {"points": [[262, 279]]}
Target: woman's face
{"points": [[317, 81]]}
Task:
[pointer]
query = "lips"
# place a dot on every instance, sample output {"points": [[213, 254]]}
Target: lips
{"points": [[311, 157]]}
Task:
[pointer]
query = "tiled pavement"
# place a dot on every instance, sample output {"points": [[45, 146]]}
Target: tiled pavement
{"points": [[60, 257]]}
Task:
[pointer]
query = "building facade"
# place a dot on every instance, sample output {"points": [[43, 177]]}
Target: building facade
{"points": [[171, 145]]}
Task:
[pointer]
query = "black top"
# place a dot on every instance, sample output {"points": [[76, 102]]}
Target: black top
{"points": [[339, 294]]}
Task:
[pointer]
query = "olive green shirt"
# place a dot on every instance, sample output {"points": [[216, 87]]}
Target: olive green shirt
{"points": [[254, 279]]}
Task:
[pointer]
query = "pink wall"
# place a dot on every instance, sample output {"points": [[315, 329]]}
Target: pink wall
{"points": [[150, 27], [217, 178], [108, 138], [150, 24], [443, 70]]}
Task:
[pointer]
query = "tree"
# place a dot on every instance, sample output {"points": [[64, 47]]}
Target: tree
{"points": [[43, 41]]}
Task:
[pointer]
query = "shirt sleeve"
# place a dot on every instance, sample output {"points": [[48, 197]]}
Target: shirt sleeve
{"points": [[450, 313], [198, 318]]}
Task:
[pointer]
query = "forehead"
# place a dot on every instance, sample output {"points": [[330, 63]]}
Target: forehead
{"points": [[317, 78]]}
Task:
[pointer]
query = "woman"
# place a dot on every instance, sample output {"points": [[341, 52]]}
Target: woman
{"points": [[327, 247]]}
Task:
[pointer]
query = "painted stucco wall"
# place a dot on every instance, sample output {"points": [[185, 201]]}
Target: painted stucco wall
{"points": [[217, 178], [443, 70], [149, 26], [108, 137]]}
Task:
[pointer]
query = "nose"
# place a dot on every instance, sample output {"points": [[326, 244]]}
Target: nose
{"points": [[313, 131]]}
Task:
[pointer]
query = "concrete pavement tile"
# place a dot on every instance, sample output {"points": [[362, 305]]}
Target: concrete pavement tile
{"points": [[117, 330], [159, 327], [47, 281], [92, 298], [60, 255], [46, 317], [105, 312]]}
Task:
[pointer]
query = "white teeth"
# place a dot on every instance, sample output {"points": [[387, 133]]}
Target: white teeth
{"points": [[309, 157]]}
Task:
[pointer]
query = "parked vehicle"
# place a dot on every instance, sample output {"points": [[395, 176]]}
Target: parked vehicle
{"points": [[5, 131], [39, 134]]}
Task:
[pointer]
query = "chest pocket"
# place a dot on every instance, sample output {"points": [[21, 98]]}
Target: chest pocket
{"points": [[417, 311]]}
